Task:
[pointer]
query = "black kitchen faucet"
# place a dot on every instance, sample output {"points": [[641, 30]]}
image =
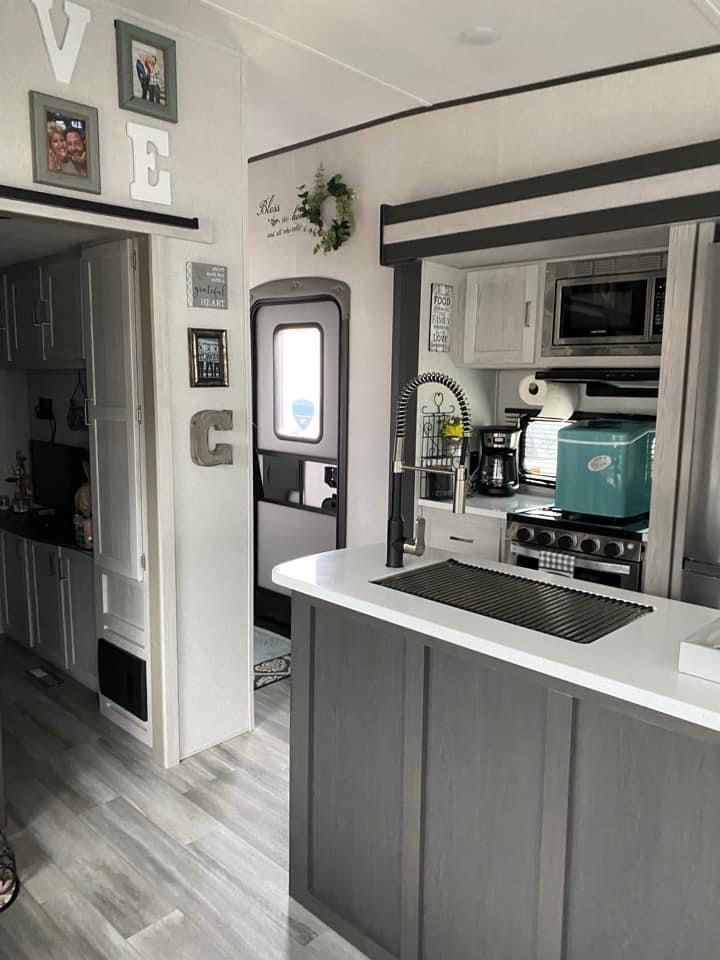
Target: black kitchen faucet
{"points": [[397, 543]]}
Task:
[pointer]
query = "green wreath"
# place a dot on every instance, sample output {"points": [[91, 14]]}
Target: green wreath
{"points": [[310, 209]]}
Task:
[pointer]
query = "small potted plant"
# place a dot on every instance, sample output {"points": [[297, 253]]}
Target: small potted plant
{"points": [[453, 434], [18, 476]]}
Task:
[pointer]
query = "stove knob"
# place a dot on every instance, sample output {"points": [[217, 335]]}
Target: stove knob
{"points": [[545, 538], [524, 535], [614, 549], [566, 541], [590, 545]]}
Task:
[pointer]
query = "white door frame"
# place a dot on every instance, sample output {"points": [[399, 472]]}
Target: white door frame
{"points": [[164, 648]]}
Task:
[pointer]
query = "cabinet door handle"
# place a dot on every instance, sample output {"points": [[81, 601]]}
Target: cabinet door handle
{"points": [[528, 305], [461, 539]]}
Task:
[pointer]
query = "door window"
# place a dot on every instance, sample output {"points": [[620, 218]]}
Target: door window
{"points": [[298, 382]]}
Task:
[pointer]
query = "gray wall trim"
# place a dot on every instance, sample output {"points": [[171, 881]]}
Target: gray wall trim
{"points": [[703, 206], [553, 845], [407, 291], [417, 666], [495, 95], [637, 167], [64, 202]]}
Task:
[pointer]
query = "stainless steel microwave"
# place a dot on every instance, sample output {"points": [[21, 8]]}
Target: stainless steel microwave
{"points": [[610, 306]]}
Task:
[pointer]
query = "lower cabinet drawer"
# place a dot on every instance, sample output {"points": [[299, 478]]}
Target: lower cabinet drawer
{"points": [[465, 535]]}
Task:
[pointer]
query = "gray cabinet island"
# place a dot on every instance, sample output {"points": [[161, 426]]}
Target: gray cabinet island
{"points": [[474, 791]]}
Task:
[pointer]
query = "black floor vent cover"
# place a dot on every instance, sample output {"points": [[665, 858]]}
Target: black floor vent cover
{"points": [[560, 611]]}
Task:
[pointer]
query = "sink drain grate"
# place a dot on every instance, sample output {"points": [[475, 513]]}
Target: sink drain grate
{"points": [[560, 611]]}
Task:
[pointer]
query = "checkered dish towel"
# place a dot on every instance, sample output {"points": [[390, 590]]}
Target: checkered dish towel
{"points": [[560, 563]]}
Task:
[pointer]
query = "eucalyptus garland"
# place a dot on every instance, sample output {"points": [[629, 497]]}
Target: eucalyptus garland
{"points": [[310, 209]]}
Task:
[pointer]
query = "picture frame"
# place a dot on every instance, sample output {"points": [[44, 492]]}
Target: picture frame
{"points": [[65, 143], [208, 356], [147, 72]]}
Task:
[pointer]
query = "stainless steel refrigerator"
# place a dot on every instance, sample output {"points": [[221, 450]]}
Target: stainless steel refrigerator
{"points": [[701, 561]]}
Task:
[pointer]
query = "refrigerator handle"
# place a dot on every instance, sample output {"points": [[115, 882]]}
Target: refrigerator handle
{"points": [[701, 567]]}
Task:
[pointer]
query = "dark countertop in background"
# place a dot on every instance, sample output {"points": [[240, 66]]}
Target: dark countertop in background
{"points": [[54, 530]]}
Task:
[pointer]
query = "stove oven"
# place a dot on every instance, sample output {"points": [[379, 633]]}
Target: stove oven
{"points": [[579, 548]]}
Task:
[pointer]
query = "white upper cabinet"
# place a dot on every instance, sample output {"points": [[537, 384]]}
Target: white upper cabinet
{"points": [[41, 316], [502, 314], [61, 314]]}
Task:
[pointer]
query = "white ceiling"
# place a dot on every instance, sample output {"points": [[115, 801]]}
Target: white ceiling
{"points": [[321, 65]]}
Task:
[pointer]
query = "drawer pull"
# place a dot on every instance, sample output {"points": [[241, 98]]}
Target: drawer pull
{"points": [[461, 539]]}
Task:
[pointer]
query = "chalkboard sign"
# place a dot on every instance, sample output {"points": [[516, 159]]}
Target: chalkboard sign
{"points": [[207, 286]]}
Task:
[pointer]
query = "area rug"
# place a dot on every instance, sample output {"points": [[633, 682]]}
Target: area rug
{"points": [[271, 657]]}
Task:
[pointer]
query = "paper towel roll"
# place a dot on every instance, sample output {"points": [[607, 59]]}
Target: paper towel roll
{"points": [[558, 401]]}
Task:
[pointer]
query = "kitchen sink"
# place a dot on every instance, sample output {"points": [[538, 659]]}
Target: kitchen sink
{"points": [[564, 612]]}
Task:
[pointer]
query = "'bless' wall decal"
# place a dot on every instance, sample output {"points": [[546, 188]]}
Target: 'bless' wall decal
{"points": [[148, 143]]}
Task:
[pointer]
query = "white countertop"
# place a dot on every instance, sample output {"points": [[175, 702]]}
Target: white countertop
{"points": [[496, 507], [637, 663]]}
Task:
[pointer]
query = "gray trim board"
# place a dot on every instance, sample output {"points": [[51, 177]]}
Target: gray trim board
{"points": [[407, 291], [680, 55], [702, 206], [637, 167]]}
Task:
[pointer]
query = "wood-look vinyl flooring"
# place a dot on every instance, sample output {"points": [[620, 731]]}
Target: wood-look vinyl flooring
{"points": [[121, 860]]}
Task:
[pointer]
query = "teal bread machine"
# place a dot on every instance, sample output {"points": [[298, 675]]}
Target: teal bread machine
{"points": [[604, 467]]}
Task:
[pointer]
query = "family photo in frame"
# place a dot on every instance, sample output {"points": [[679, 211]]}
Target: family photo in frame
{"points": [[65, 142], [147, 72]]}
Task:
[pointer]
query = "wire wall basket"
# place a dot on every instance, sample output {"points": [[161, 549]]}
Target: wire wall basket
{"points": [[437, 450]]}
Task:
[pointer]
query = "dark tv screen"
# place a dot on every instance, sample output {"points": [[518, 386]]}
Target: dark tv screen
{"points": [[56, 471]]}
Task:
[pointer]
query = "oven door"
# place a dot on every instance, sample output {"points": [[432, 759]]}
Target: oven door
{"points": [[605, 310], [608, 573]]}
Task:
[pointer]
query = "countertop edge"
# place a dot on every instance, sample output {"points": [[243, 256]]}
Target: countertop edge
{"points": [[554, 669]]}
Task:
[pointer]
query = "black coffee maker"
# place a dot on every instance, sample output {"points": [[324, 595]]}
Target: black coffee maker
{"points": [[497, 473]]}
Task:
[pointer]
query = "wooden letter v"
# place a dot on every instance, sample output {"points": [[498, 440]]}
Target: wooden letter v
{"points": [[63, 58]]}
